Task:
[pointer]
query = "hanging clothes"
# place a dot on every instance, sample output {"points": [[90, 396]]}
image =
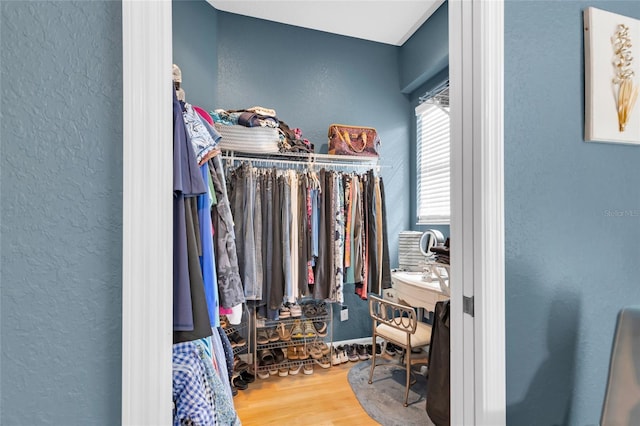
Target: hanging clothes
{"points": [[227, 269], [318, 232]]}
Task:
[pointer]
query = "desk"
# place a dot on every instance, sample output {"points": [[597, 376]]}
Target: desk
{"points": [[411, 289]]}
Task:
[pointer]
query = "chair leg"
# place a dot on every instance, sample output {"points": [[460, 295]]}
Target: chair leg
{"points": [[373, 359], [408, 366]]}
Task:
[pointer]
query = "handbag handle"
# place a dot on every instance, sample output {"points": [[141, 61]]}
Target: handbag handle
{"points": [[347, 140]]}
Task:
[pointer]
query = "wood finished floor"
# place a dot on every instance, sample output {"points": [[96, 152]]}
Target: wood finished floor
{"points": [[322, 398]]}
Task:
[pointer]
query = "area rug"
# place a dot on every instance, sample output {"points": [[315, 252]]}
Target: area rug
{"points": [[383, 398]]}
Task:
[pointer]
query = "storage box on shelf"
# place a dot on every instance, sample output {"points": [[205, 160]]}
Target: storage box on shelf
{"points": [[294, 344]]}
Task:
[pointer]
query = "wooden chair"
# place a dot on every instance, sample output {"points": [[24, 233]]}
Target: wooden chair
{"points": [[398, 324]]}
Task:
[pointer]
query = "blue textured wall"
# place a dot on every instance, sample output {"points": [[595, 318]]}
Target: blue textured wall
{"points": [[61, 210], [313, 79], [571, 264], [195, 49], [426, 53]]}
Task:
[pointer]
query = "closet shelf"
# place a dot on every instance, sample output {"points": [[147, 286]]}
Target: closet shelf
{"points": [[287, 363], [264, 323], [302, 159], [293, 342]]}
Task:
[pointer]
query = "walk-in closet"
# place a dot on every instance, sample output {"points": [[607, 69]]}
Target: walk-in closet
{"points": [[297, 267]]}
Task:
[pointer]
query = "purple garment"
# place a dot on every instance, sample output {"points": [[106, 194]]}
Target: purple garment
{"points": [[187, 180]]}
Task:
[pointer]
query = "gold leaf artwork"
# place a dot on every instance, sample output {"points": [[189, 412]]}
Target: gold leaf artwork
{"points": [[627, 90]]}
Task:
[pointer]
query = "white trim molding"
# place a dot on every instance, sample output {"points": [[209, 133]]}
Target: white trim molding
{"points": [[147, 222], [477, 212]]}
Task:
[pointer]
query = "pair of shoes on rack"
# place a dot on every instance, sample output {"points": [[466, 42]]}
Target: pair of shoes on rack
{"points": [[236, 340], [295, 310], [262, 337], [301, 329], [314, 309], [307, 369], [239, 365], [320, 328], [297, 352], [323, 361], [283, 332], [239, 383], [295, 369], [284, 312]]}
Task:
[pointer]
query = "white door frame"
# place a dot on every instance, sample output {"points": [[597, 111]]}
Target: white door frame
{"points": [[476, 64], [477, 224]]}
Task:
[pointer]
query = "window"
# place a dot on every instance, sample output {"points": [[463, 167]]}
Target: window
{"points": [[433, 152]]}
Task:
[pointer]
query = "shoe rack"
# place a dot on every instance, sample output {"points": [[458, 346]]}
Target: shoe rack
{"points": [[238, 334], [265, 352]]}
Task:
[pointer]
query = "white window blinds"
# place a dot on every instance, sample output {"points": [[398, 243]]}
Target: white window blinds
{"points": [[433, 152]]}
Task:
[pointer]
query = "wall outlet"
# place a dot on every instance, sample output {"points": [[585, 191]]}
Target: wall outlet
{"points": [[344, 314]]}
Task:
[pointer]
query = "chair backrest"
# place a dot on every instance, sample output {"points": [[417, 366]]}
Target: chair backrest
{"points": [[394, 315], [622, 400]]}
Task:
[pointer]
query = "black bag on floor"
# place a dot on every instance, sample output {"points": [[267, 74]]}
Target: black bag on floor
{"points": [[439, 373]]}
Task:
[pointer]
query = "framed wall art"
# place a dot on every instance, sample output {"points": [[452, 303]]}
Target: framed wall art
{"points": [[612, 77]]}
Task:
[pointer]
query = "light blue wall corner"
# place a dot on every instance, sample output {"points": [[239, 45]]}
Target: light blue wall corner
{"points": [[426, 53]]}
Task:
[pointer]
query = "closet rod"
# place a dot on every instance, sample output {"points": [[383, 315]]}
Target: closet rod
{"points": [[304, 159]]}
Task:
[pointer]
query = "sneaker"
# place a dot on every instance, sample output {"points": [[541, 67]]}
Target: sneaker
{"points": [[389, 349], [361, 351], [284, 312], [307, 369], [352, 354], [342, 353], [296, 330], [335, 357], [296, 310], [263, 374], [295, 369], [283, 371], [370, 349], [273, 370], [308, 330]]}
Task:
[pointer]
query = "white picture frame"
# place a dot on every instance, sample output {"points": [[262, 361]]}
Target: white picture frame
{"points": [[601, 105]]}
